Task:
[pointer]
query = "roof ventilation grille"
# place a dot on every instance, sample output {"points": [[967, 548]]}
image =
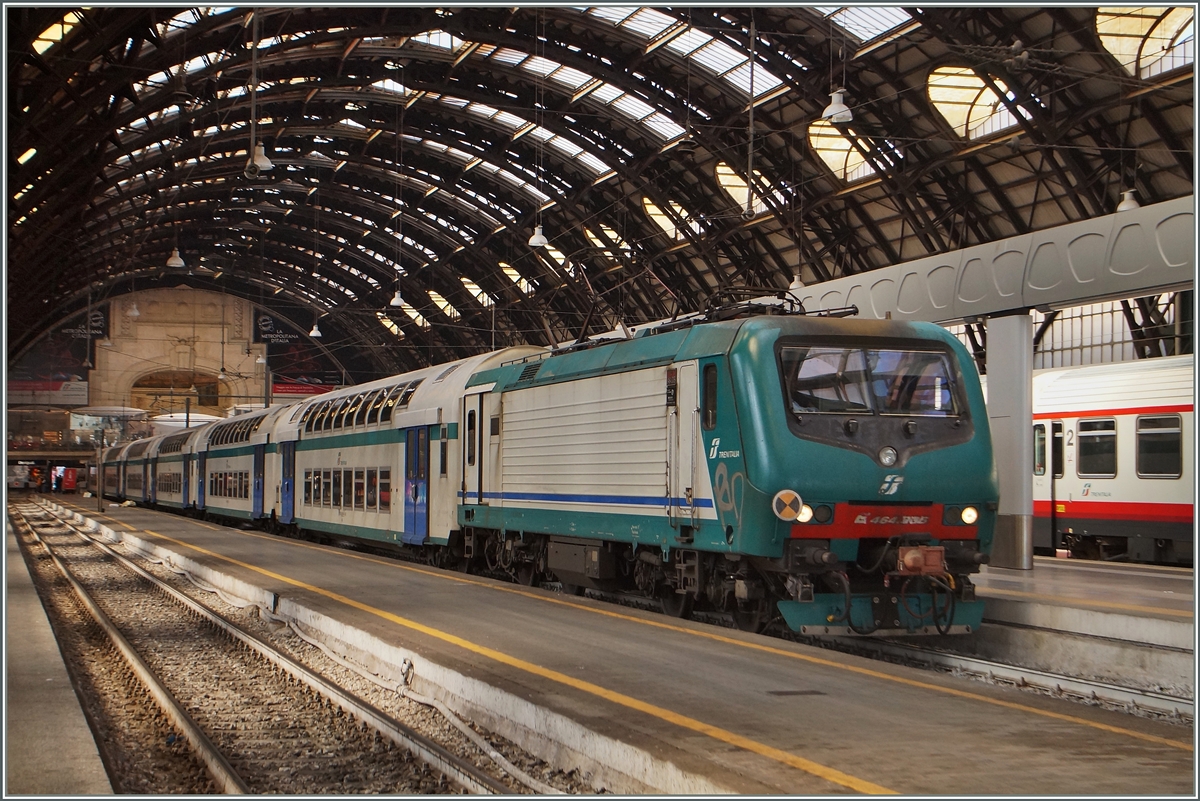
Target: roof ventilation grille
{"points": [[529, 371]]}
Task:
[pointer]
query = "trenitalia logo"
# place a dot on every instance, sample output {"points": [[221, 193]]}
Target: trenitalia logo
{"points": [[712, 452], [891, 484]]}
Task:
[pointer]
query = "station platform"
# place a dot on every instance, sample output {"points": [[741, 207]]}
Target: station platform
{"points": [[1124, 624], [640, 702], [50, 749]]}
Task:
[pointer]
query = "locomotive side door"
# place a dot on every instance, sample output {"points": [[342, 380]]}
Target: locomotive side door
{"points": [[681, 450], [416, 485], [474, 448], [287, 500]]}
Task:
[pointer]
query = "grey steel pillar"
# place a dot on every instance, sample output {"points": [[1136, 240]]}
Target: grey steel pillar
{"points": [[1010, 414]]}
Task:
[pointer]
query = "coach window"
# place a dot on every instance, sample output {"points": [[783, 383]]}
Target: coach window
{"points": [[337, 488], [376, 405], [1160, 446], [471, 437], [334, 414], [326, 487], [364, 407], [1039, 449], [708, 401], [372, 487], [308, 488], [385, 489], [385, 414], [1097, 455]]}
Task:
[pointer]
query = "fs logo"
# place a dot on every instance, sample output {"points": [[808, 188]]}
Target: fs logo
{"points": [[712, 452], [1087, 488], [891, 484]]}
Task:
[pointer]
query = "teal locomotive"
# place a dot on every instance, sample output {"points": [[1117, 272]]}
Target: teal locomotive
{"points": [[836, 474]]}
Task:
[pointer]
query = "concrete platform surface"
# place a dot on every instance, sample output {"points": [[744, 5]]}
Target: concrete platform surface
{"points": [[656, 704], [49, 747]]}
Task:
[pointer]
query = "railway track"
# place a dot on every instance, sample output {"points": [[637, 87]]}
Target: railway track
{"points": [[255, 718], [1110, 696]]}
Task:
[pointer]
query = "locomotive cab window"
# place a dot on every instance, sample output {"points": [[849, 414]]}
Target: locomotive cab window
{"points": [[1097, 449], [708, 401], [848, 380], [1159, 446]]}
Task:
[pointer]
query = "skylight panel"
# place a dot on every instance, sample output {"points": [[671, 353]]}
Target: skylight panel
{"points": [[414, 315], [484, 298], [539, 66], [763, 80], [838, 152], [663, 125], [613, 14], [719, 57], [570, 77], [606, 93], [507, 55], [55, 33], [351, 123], [564, 146], [509, 120], [438, 39], [865, 23], [630, 106], [592, 163], [445, 305], [483, 110], [389, 324], [688, 42], [522, 283], [648, 22]]}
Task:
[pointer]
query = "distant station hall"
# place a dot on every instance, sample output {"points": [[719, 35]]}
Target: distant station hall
{"points": [[559, 400]]}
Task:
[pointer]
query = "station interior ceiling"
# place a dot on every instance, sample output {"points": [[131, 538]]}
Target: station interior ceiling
{"points": [[672, 158]]}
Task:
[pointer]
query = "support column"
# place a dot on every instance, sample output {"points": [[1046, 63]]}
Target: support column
{"points": [[1010, 414]]}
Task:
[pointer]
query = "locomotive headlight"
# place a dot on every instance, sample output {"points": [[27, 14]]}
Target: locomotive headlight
{"points": [[969, 515], [887, 456], [806, 514]]}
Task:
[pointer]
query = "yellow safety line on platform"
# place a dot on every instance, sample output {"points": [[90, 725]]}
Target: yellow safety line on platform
{"points": [[754, 646], [1158, 610], [717, 733]]}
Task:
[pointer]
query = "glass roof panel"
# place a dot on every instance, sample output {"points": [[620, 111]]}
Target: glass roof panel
{"points": [[613, 14], [837, 151], [763, 80], [648, 22], [865, 23], [1148, 41], [539, 65], [631, 106], [484, 298], [606, 93], [569, 76], [389, 325], [713, 54], [719, 57], [55, 33], [664, 126], [689, 41], [522, 283], [506, 55], [445, 305], [414, 315]]}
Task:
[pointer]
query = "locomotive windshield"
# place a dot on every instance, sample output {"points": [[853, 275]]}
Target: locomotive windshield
{"points": [[846, 380]]}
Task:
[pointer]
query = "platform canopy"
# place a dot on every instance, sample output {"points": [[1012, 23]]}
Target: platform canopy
{"points": [[667, 155]]}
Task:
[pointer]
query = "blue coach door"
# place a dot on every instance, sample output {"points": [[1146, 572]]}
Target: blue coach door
{"points": [[287, 500], [201, 478], [260, 460], [416, 485], [187, 467]]}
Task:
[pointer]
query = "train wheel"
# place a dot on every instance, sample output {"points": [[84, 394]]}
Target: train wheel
{"points": [[752, 617], [526, 574], [676, 604]]}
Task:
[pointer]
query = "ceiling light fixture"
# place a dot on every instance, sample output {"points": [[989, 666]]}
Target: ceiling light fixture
{"points": [[258, 162], [175, 261], [837, 111], [396, 299], [1128, 201], [315, 333], [538, 240]]}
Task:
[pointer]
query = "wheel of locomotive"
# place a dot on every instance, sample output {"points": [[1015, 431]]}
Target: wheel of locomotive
{"points": [[751, 616], [526, 574], [675, 604]]}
